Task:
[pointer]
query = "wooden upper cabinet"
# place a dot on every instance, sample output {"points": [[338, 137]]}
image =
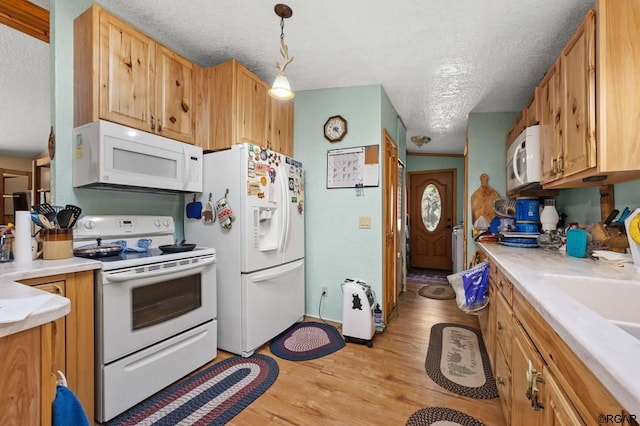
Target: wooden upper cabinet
{"points": [[127, 63], [550, 124], [281, 127], [124, 76], [251, 107], [516, 129], [532, 115], [578, 99], [233, 107], [175, 95]]}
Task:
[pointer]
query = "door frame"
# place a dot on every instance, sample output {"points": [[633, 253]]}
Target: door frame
{"points": [[389, 225], [453, 200]]}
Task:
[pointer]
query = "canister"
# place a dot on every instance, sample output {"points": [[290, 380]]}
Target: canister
{"points": [[527, 208], [577, 243]]}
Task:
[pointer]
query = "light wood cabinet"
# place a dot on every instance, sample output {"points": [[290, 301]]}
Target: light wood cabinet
{"points": [[596, 71], [74, 339], [27, 377], [516, 129], [532, 110], [529, 352], [233, 106], [550, 124], [281, 127], [124, 76]]}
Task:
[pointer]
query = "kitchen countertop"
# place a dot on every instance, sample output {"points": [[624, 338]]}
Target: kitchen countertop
{"points": [[56, 306], [609, 352]]}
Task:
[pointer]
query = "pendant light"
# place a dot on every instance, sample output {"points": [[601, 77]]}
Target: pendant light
{"points": [[281, 88]]}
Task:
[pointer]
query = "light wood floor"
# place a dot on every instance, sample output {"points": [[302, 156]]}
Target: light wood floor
{"points": [[358, 385]]}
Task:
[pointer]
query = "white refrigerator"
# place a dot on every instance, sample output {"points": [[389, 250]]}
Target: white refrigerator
{"points": [[260, 257]]}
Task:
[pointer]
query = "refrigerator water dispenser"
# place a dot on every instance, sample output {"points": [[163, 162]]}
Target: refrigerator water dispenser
{"points": [[266, 228]]}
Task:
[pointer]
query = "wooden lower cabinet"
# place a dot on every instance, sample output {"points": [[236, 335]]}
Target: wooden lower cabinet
{"points": [[27, 377], [540, 380], [73, 340]]}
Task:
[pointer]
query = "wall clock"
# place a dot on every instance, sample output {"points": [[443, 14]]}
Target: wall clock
{"points": [[335, 128]]}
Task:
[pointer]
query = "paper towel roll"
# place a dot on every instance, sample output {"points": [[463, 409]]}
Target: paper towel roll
{"points": [[22, 240]]}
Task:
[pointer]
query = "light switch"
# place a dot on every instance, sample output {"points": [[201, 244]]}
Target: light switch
{"points": [[365, 222]]}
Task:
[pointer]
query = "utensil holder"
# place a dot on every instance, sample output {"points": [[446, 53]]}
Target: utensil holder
{"points": [[57, 243]]}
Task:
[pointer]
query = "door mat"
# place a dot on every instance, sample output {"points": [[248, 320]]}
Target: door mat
{"points": [[438, 291], [212, 396], [457, 360], [306, 340], [441, 416], [427, 276]]}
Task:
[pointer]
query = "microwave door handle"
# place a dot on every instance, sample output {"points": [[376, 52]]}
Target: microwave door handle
{"points": [[187, 168], [515, 165]]}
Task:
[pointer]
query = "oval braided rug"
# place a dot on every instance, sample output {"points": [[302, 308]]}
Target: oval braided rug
{"points": [[212, 396], [432, 415], [438, 291], [458, 361], [307, 340]]}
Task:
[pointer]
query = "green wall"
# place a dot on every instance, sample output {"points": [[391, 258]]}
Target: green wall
{"points": [[335, 247], [486, 153], [92, 201], [583, 204]]}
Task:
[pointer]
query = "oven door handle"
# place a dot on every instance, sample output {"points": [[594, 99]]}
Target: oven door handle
{"points": [[163, 271]]}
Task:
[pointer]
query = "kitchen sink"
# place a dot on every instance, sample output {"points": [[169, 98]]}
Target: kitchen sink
{"points": [[616, 300]]}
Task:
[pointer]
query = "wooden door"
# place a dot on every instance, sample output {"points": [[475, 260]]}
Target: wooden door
{"points": [[127, 64], [432, 214], [175, 96], [578, 78], [558, 410], [59, 356], [252, 108], [389, 212], [549, 139]]}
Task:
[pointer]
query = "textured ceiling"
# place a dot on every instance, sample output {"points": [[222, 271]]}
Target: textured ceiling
{"points": [[438, 60]]}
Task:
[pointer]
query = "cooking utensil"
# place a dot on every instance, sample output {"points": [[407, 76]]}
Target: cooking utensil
{"points": [[77, 211], [176, 248], [482, 200], [611, 216], [47, 210], [35, 218], [625, 213], [97, 250], [64, 218], [45, 222]]}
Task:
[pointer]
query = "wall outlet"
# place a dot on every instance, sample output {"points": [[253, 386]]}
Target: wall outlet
{"points": [[325, 291]]}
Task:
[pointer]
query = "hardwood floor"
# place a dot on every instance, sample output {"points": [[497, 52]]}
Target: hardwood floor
{"points": [[358, 385]]}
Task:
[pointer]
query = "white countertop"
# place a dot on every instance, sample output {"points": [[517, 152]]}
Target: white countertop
{"points": [[609, 352], [55, 307]]}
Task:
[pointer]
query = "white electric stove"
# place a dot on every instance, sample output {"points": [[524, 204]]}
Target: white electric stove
{"points": [[155, 312]]}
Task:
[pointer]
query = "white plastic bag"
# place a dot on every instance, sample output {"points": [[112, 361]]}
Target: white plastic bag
{"points": [[471, 287]]}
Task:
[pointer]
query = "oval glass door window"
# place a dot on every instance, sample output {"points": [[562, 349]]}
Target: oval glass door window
{"points": [[431, 207]]}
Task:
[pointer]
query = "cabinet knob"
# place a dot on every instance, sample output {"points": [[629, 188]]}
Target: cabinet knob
{"points": [[499, 380]]}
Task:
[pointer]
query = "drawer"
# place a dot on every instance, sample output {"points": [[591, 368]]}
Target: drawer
{"points": [[504, 327], [504, 287], [503, 383]]}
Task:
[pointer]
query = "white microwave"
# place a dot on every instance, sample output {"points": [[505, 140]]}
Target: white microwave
{"points": [[112, 156], [523, 160]]}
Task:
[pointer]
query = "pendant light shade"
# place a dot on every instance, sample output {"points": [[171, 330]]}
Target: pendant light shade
{"points": [[281, 88]]}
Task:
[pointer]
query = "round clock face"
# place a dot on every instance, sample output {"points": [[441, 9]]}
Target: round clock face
{"points": [[335, 128]]}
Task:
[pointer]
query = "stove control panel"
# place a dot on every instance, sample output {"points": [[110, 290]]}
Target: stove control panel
{"points": [[102, 226]]}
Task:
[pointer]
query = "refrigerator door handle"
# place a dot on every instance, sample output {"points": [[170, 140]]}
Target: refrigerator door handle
{"points": [[285, 211], [270, 275]]}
